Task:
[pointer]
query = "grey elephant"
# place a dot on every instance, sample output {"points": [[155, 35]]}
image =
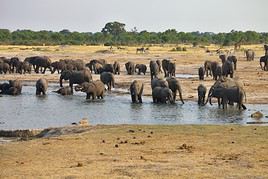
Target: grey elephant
{"points": [[75, 77], [165, 63], [4, 68], [13, 63], [218, 73], [264, 63], [141, 69], [201, 73], [201, 92], [136, 90], [175, 86], [154, 69], [162, 95], [116, 67], [210, 67], [228, 69], [171, 69], [13, 87], [92, 63], [130, 68], [41, 86], [223, 58], [157, 82], [108, 79], [233, 60], [92, 89], [58, 66], [39, 62], [107, 68], [249, 54], [64, 91]]}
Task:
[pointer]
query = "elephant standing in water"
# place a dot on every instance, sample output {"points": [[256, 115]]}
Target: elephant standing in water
{"points": [[162, 95], [41, 86], [156, 82], [201, 91], [108, 79], [175, 86], [136, 90], [92, 89], [13, 87], [75, 77]]}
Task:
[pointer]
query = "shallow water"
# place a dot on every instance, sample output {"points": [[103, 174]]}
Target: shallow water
{"points": [[186, 76], [29, 111]]}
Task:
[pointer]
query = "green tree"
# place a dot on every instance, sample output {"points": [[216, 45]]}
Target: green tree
{"points": [[114, 28]]}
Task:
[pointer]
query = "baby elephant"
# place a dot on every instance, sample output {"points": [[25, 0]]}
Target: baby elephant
{"points": [[64, 91], [201, 90], [201, 73], [162, 95], [93, 89], [41, 86], [136, 89]]}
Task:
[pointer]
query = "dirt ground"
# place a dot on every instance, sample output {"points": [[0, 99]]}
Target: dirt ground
{"points": [[126, 151], [254, 79]]}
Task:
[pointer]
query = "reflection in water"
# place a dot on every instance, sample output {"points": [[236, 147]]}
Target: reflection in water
{"points": [[30, 111]]}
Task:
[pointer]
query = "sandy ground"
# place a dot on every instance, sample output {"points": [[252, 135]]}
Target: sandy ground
{"points": [[142, 152], [254, 79]]}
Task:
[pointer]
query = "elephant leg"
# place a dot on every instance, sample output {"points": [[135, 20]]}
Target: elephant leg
{"points": [[140, 99], [44, 71], [88, 96], [37, 92]]}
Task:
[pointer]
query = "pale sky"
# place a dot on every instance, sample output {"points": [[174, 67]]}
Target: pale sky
{"points": [[150, 15]]}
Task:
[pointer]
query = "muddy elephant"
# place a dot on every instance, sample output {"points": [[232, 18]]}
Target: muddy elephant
{"points": [[228, 69], [4, 68], [116, 67], [165, 63], [201, 73], [157, 82], [93, 89], [171, 69], [162, 95], [41, 86], [130, 68], [175, 87], [249, 54], [136, 90], [141, 68], [39, 62], [154, 69], [64, 91], [108, 79], [264, 63], [75, 77], [13, 87], [201, 92]]}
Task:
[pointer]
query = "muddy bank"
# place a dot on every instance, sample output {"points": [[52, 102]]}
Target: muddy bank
{"points": [[132, 151]]}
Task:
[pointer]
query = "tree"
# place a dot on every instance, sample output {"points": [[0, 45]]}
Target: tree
{"points": [[114, 28]]}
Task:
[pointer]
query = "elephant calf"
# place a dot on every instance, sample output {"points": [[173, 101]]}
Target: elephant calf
{"points": [[201, 91], [92, 89], [201, 73], [41, 86], [136, 90], [64, 91], [14, 87]]}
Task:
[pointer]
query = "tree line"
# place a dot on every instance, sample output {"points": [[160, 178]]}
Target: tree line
{"points": [[114, 33]]}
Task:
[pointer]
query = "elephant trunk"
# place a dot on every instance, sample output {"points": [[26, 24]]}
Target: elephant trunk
{"points": [[78, 88], [209, 96]]}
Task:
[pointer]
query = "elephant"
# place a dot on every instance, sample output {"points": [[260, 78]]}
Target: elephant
{"points": [[64, 91], [92, 63], [210, 67], [39, 62], [264, 62], [4, 68], [24, 67], [162, 95], [141, 68], [233, 60], [218, 73], [116, 67], [156, 82], [136, 90], [14, 61], [154, 69], [107, 68], [250, 54], [201, 73], [92, 89], [223, 58], [108, 79], [228, 69], [58, 66], [13, 87], [231, 95], [165, 63], [201, 91], [130, 68], [41, 86], [159, 66], [171, 69], [175, 86], [75, 77], [266, 49]]}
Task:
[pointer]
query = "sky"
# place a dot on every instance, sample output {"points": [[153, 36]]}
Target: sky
{"points": [[151, 15]]}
